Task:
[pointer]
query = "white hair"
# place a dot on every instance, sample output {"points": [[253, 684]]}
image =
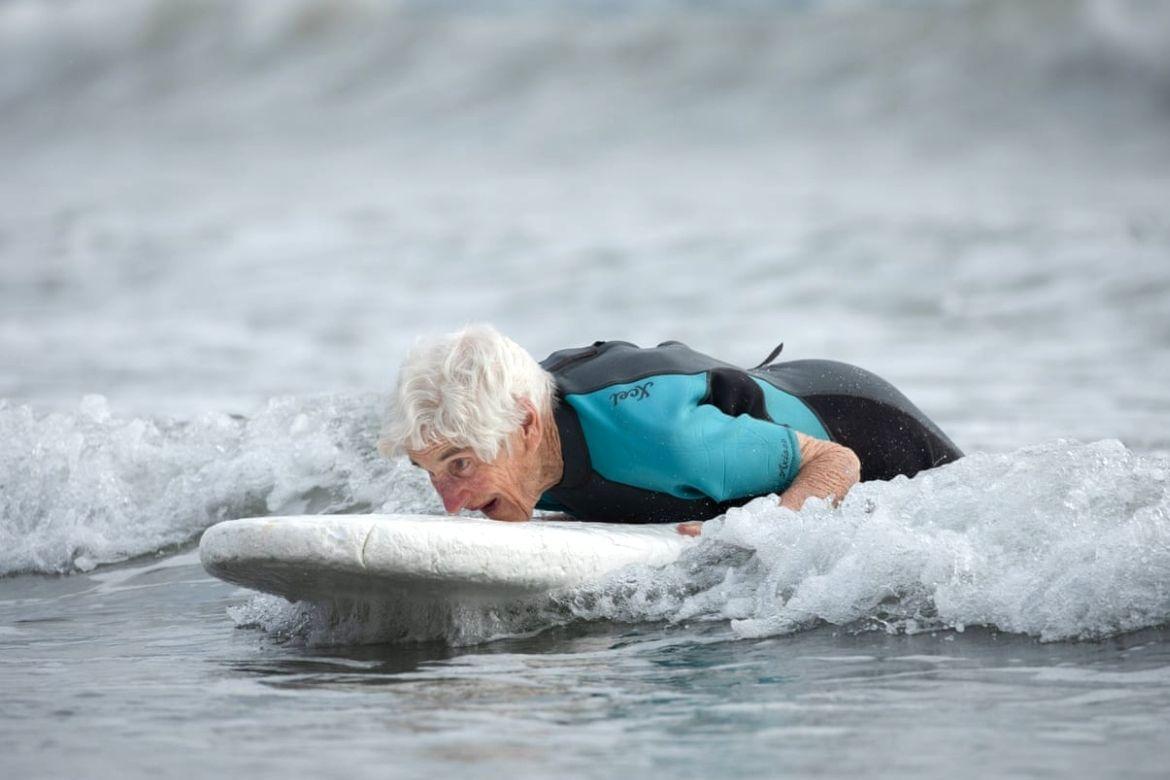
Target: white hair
{"points": [[465, 388]]}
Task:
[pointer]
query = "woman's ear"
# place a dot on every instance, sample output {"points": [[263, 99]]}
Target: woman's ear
{"points": [[532, 427]]}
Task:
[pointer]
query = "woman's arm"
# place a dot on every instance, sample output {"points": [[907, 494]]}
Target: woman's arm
{"points": [[827, 470]]}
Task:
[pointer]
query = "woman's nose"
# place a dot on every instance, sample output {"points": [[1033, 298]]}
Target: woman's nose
{"points": [[454, 497]]}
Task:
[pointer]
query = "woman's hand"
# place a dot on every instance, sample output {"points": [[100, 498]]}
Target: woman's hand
{"points": [[827, 470]]}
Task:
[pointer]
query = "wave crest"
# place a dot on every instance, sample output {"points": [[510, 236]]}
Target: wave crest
{"points": [[1059, 541], [87, 488]]}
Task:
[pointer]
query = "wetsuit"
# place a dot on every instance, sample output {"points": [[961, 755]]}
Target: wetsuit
{"points": [[666, 433]]}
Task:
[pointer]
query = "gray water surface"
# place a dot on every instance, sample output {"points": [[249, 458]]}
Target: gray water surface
{"points": [[142, 657]]}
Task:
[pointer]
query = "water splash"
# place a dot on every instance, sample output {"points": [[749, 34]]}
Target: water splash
{"points": [[397, 620], [1059, 541], [86, 488]]}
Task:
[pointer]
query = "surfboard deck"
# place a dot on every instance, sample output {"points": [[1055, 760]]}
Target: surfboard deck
{"points": [[372, 557]]}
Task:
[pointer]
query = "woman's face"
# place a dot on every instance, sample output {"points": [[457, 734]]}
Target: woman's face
{"points": [[503, 488]]}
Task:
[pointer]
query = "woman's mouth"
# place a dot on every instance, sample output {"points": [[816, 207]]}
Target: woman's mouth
{"points": [[489, 506]]}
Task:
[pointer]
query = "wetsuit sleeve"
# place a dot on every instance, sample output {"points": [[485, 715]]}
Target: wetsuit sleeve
{"points": [[657, 434], [725, 457]]}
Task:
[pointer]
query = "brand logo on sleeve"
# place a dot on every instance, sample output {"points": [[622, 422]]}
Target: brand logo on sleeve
{"points": [[637, 392]]}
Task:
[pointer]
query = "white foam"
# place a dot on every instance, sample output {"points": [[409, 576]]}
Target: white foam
{"points": [[1060, 541], [90, 487]]}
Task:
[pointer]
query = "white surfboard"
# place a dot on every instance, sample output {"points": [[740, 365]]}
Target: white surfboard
{"points": [[369, 557]]}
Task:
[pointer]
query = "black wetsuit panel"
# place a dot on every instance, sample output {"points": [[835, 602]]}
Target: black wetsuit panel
{"points": [[867, 414]]}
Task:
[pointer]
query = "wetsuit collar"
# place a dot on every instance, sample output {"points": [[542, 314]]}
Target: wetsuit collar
{"points": [[574, 453]]}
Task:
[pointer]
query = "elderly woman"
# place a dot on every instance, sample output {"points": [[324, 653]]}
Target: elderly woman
{"points": [[617, 433]]}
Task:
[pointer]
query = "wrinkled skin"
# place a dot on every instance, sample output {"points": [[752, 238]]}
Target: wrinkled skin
{"points": [[505, 488]]}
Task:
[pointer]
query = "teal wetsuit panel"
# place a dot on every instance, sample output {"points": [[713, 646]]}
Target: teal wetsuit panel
{"points": [[788, 409], [655, 434]]}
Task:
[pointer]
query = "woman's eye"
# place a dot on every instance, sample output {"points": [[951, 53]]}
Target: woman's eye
{"points": [[461, 466]]}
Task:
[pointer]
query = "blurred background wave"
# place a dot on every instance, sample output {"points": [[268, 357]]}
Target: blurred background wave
{"points": [[586, 76]]}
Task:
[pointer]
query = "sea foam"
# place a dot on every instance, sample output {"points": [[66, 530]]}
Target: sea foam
{"points": [[86, 488]]}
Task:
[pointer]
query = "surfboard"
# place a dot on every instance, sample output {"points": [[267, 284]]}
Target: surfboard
{"points": [[374, 557]]}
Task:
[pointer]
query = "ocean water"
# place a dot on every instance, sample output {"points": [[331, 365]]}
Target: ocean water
{"points": [[223, 223]]}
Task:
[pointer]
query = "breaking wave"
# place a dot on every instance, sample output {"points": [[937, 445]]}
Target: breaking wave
{"points": [[87, 488], [585, 71]]}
